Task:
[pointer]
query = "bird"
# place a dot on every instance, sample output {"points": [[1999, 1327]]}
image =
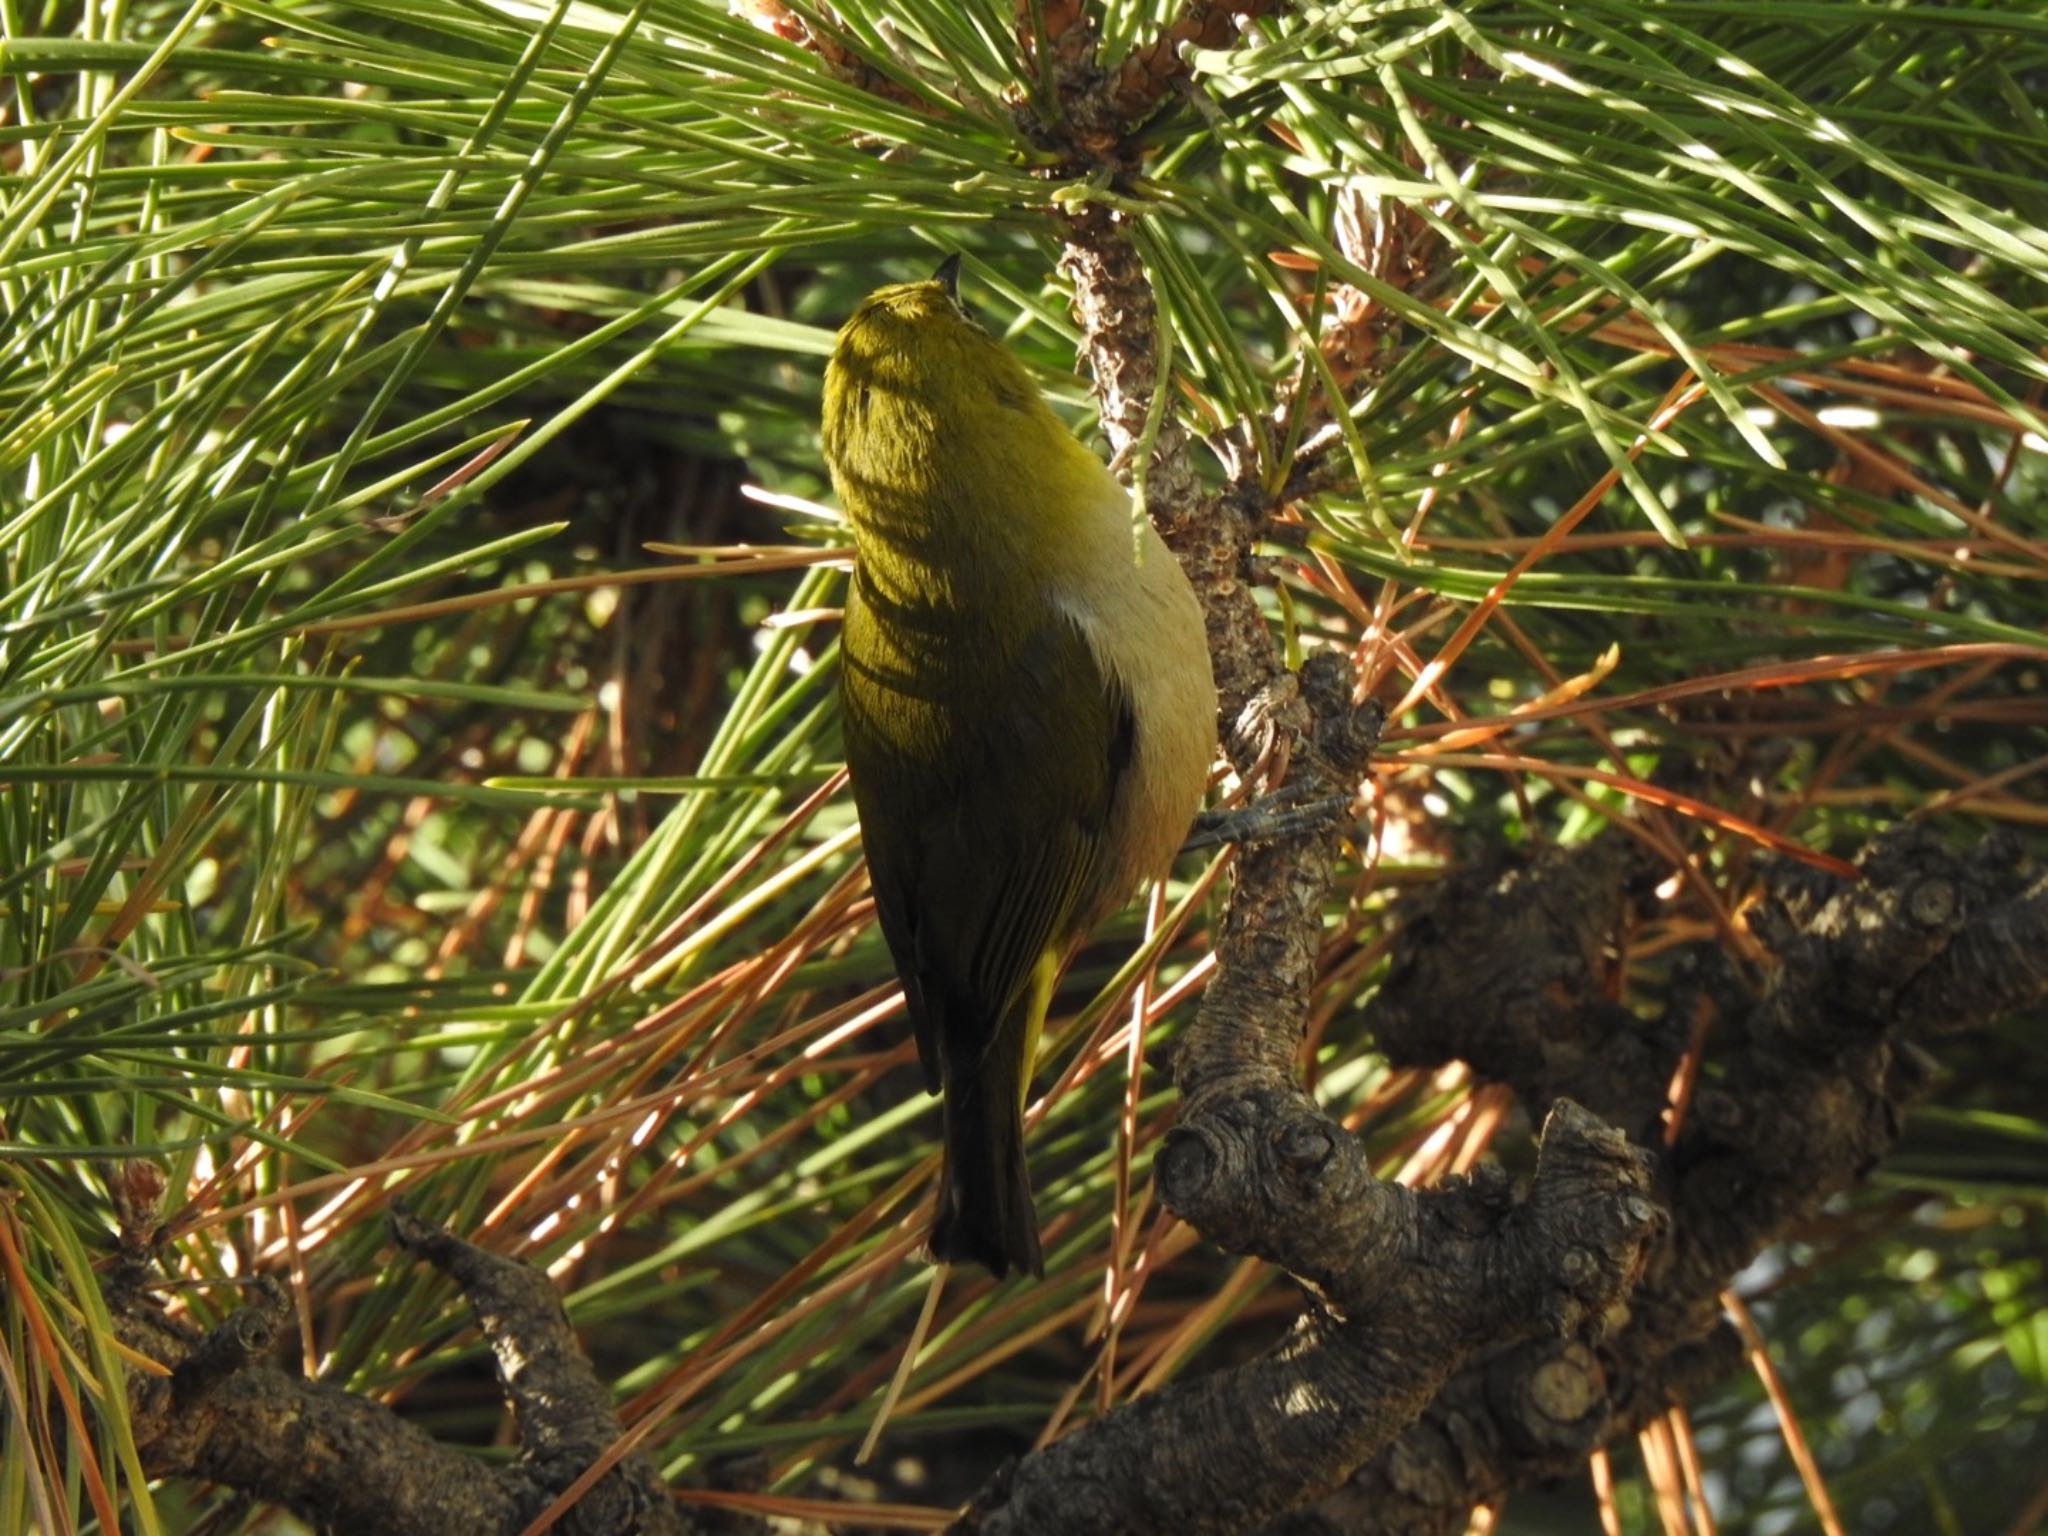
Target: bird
{"points": [[1028, 711]]}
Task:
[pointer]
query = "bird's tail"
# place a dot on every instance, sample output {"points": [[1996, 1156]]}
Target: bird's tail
{"points": [[985, 1212]]}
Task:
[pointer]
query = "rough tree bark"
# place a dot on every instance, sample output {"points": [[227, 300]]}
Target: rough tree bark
{"points": [[225, 1413], [1808, 1077]]}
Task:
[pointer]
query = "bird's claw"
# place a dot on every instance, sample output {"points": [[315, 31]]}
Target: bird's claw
{"points": [[1293, 810]]}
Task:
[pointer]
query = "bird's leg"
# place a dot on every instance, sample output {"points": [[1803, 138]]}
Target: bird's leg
{"points": [[1293, 810]]}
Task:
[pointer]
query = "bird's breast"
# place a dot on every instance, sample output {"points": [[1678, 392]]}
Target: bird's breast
{"points": [[1145, 626]]}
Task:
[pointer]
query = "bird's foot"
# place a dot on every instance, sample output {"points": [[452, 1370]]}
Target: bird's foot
{"points": [[1293, 810]]}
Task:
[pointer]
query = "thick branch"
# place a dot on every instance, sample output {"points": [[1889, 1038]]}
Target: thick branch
{"points": [[1807, 1087], [1417, 1282], [227, 1415], [1504, 967]]}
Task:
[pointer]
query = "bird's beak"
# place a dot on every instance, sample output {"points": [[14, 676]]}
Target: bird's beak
{"points": [[948, 276]]}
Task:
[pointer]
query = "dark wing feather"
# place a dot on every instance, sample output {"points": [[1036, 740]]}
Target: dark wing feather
{"points": [[984, 788]]}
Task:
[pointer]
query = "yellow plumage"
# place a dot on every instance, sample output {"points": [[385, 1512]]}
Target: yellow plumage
{"points": [[1029, 714]]}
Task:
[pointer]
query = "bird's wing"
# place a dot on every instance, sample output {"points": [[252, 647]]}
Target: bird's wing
{"points": [[983, 810]]}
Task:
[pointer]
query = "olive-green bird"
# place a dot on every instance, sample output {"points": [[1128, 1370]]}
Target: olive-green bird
{"points": [[1030, 715]]}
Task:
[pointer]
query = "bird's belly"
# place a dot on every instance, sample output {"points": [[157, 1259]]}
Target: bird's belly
{"points": [[1164, 659]]}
